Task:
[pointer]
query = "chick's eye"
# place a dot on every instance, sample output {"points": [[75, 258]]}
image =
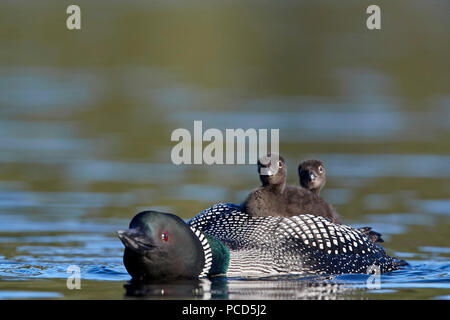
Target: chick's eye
{"points": [[164, 236], [320, 169], [280, 164]]}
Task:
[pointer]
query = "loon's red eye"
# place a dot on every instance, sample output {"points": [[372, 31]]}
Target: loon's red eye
{"points": [[164, 236]]}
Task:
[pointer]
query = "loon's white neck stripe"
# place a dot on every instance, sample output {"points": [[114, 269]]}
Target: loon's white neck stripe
{"points": [[206, 251]]}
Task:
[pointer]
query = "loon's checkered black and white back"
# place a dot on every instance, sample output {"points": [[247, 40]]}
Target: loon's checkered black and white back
{"points": [[287, 245]]}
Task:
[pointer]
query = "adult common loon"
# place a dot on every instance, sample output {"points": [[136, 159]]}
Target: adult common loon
{"points": [[274, 197], [224, 240]]}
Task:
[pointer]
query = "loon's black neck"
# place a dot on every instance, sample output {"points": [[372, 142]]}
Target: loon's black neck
{"points": [[216, 255], [220, 257]]}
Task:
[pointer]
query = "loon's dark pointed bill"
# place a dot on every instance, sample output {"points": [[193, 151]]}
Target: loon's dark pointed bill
{"points": [[135, 240], [268, 171]]}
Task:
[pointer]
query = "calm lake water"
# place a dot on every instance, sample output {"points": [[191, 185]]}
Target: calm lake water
{"points": [[86, 118]]}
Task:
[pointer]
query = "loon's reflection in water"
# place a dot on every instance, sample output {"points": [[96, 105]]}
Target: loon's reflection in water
{"points": [[279, 288], [173, 289]]}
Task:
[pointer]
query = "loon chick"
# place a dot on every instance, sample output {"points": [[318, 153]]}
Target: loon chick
{"points": [[312, 175], [224, 241], [275, 198], [270, 198]]}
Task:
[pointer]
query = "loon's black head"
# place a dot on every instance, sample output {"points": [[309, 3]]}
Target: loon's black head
{"points": [[161, 246], [312, 175], [272, 170]]}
